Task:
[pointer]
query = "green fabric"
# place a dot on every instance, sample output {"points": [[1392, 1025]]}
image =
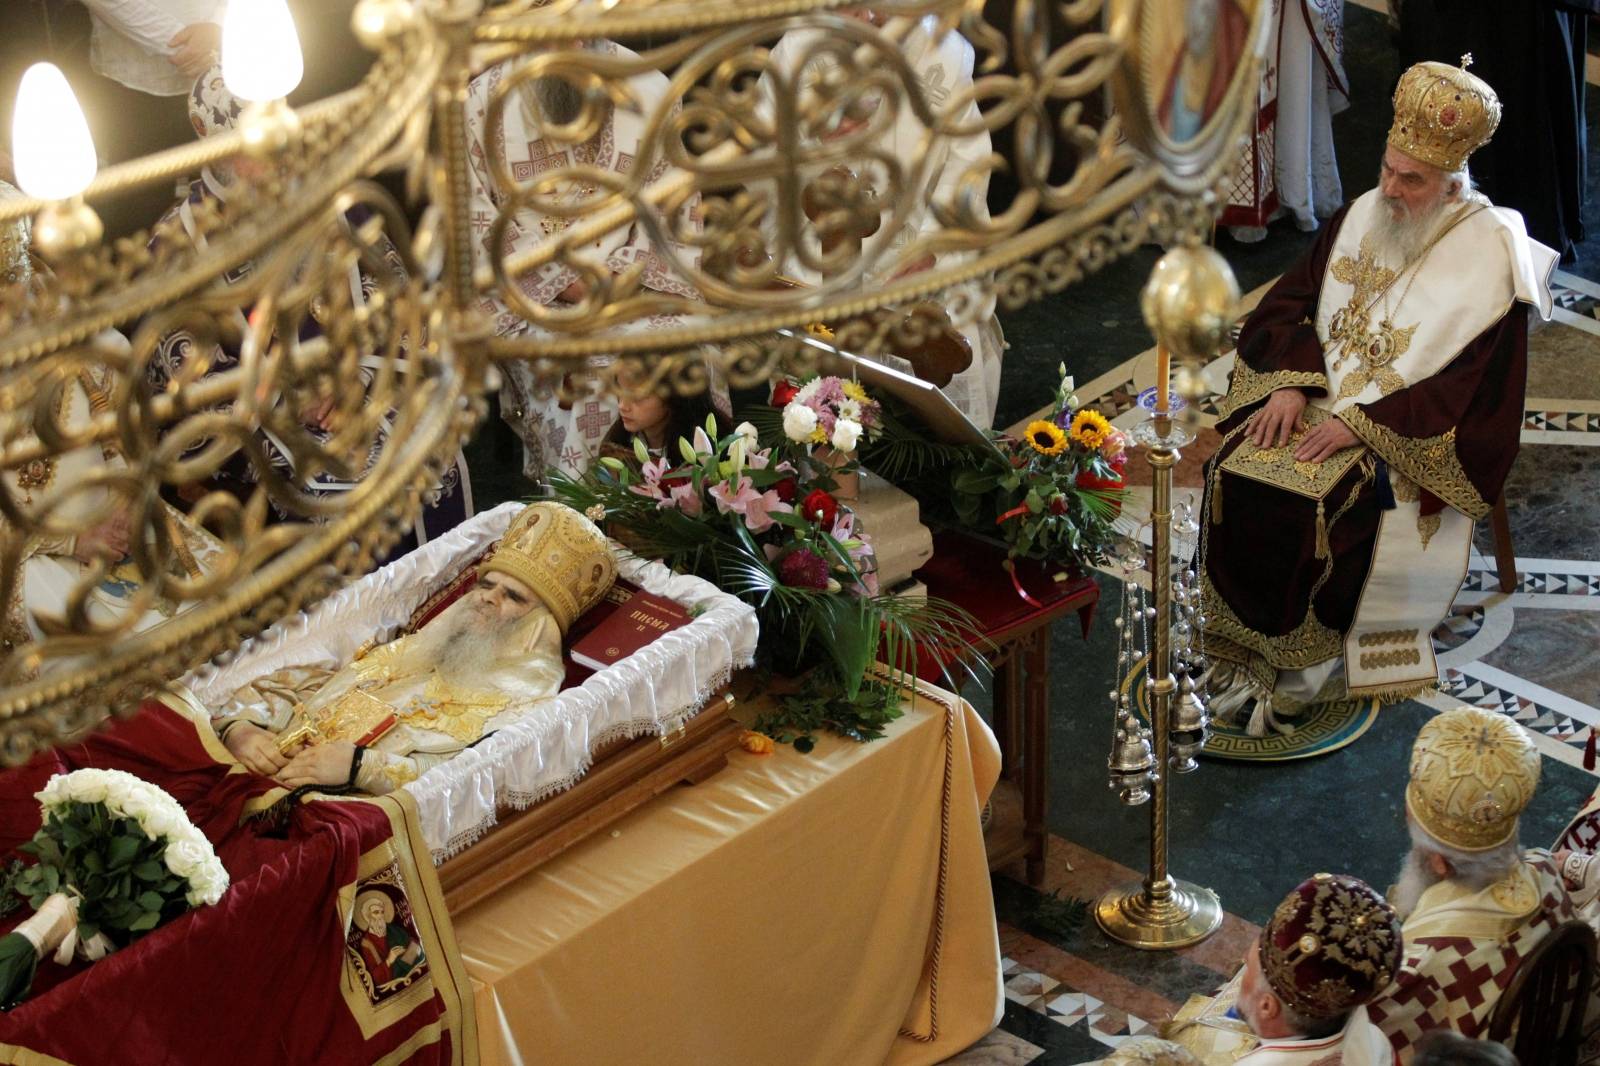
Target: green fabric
{"points": [[18, 960]]}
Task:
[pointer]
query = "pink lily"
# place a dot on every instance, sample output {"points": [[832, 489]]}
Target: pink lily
{"points": [[685, 499]]}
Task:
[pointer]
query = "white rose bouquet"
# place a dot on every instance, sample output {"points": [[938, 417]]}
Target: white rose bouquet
{"points": [[125, 850]]}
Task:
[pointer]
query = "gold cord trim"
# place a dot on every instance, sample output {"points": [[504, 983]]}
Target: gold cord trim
{"points": [[1247, 386], [1429, 461], [1307, 644]]}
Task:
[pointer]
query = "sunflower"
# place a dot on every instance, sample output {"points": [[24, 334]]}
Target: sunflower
{"points": [[1045, 438], [1090, 428]]}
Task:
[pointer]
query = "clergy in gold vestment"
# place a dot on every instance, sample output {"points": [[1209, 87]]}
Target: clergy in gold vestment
{"points": [[1373, 413], [1475, 903], [386, 717]]}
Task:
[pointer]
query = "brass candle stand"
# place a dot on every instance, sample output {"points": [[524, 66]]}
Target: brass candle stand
{"points": [[1188, 304]]}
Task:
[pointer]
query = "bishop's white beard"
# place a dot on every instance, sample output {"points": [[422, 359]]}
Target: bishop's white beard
{"points": [[1398, 241], [466, 642], [1415, 879]]}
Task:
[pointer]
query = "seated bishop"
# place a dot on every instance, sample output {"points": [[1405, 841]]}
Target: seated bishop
{"points": [[1299, 1000], [1475, 903], [1374, 411], [402, 707]]}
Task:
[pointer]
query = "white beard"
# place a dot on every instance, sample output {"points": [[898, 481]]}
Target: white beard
{"points": [[465, 643], [1400, 241], [1415, 878]]}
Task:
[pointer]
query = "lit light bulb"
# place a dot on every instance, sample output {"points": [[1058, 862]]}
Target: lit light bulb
{"points": [[261, 57], [54, 153]]}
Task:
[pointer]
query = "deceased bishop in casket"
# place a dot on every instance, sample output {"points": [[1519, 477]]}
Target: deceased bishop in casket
{"points": [[400, 708]]}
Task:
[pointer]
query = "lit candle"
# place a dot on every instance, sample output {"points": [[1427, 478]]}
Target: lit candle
{"points": [[54, 153], [1163, 374]]}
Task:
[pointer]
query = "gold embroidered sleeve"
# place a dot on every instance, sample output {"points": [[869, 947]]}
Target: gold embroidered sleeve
{"points": [[1248, 386], [1429, 461], [382, 773]]}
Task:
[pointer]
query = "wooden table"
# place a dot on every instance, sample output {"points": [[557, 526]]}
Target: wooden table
{"points": [[969, 572]]}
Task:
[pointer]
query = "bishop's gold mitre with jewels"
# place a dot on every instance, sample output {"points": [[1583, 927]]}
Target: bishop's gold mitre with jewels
{"points": [[559, 554], [1472, 773], [1442, 114]]}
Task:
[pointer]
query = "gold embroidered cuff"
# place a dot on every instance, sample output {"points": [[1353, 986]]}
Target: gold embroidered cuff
{"points": [[1248, 386], [1429, 461]]}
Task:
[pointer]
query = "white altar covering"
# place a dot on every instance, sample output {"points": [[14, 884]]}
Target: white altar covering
{"points": [[550, 747]]}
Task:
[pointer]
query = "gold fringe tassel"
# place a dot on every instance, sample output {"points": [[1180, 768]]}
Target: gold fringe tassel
{"points": [[1216, 499], [1323, 550]]}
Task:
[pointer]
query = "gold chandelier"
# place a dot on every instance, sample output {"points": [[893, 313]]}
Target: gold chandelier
{"points": [[742, 171]]}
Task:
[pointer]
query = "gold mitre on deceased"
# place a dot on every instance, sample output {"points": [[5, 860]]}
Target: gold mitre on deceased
{"points": [[559, 554], [1442, 114], [1472, 773]]}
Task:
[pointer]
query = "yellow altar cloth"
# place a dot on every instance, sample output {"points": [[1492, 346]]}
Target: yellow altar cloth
{"points": [[783, 912]]}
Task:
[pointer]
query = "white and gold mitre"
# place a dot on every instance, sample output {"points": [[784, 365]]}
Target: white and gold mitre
{"points": [[1442, 114], [1472, 773], [559, 554]]}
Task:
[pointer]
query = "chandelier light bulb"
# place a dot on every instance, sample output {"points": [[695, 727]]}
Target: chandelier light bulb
{"points": [[54, 153], [261, 58]]}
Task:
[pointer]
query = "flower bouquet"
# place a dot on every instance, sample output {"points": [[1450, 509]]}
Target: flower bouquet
{"points": [[124, 850], [764, 523], [1054, 494]]}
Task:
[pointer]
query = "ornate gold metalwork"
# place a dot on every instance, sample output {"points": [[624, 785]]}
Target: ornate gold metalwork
{"points": [[743, 170]]}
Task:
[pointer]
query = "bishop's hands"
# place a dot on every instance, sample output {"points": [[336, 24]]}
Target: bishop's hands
{"points": [[1278, 419], [311, 764], [1282, 416], [255, 748], [320, 764], [1331, 436]]}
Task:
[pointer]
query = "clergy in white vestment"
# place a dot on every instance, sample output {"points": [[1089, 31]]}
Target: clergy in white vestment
{"points": [[1331, 946], [1475, 903], [1374, 411], [943, 63], [1289, 166], [53, 566], [557, 434]]}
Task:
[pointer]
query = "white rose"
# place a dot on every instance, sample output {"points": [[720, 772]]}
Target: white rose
{"points": [[750, 435], [185, 858], [845, 435], [91, 790], [799, 422], [139, 806], [162, 823]]}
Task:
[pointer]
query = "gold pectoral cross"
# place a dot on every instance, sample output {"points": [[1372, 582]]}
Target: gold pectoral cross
{"points": [[460, 715], [1349, 332]]}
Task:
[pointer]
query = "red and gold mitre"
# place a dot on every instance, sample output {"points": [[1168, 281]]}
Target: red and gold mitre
{"points": [[559, 554], [1331, 946], [1442, 114], [1472, 773]]}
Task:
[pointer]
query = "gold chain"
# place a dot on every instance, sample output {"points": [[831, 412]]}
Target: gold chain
{"points": [[1415, 266]]}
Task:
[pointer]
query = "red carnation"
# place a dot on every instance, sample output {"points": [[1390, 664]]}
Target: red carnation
{"points": [[819, 507], [1088, 479], [804, 569], [786, 488], [1058, 504], [783, 391]]}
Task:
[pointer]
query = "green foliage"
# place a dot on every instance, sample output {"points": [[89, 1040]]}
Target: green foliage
{"points": [[118, 873], [820, 705], [1060, 916]]}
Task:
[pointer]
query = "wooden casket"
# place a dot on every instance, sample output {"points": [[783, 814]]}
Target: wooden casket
{"points": [[566, 767]]}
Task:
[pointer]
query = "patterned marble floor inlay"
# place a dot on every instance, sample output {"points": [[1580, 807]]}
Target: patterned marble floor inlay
{"points": [[1070, 1007]]}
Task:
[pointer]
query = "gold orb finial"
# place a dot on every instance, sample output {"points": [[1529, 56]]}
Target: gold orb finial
{"points": [[1189, 302], [65, 228], [375, 22]]}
